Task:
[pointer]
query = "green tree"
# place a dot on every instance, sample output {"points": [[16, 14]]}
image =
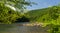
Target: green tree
{"points": [[8, 15], [17, 4], [54, 12]]}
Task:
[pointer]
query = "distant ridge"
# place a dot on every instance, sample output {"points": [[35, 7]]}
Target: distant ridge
{"points": [[44, 14]]}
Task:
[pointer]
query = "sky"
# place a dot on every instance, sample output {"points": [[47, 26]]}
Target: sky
{"points": [[43, 4]]}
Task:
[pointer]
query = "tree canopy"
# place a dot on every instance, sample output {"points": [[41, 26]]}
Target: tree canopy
{"points": [[17, 4], [7, 14]]}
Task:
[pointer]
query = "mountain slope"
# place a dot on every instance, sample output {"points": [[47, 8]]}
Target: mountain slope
{"points": [[46, 14]]}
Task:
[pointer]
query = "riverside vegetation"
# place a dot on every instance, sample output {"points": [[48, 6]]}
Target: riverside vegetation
{"points": [[50, 15]]}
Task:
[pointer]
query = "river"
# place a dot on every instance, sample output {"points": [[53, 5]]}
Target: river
{"points": [[20, 28]]}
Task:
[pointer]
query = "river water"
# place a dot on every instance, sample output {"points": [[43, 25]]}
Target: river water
{"points": [[19, 28]]}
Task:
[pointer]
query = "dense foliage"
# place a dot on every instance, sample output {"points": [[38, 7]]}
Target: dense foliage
{"points": [[8, 15], [17, 4], [46, 14], [50, 16], [10, 10]]}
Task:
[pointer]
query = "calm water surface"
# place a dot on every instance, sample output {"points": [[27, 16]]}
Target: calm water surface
{"points": [[17, 28]]}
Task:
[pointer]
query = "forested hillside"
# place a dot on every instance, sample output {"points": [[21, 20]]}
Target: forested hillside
{"points": [[14, 11], [45, 15]]}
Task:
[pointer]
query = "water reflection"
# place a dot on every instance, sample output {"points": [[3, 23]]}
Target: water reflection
{"points": [[22, 29]]}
